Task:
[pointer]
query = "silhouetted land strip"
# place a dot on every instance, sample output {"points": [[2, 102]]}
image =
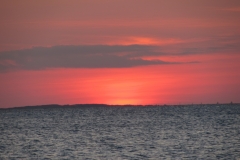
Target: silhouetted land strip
{"points": [[127, 105]]}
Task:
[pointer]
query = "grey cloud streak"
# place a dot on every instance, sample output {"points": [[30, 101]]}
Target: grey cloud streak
{"points": [[83, 56]]}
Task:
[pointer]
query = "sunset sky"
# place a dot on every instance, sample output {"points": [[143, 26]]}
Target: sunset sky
{"points": [[119, 52]]}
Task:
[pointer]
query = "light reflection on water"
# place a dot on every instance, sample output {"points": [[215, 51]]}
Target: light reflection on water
{"points": [[190, 132]]}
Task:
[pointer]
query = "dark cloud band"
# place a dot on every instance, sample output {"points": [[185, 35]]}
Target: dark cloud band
{"points": [[91, 56]]}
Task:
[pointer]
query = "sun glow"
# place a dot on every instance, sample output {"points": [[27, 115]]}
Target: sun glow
{"points": [[123, 92], [131, 40]]}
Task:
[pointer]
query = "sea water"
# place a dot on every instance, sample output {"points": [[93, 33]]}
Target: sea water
{"points": [[167, 132]]}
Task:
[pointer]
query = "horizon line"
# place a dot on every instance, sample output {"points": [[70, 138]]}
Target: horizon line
{"points": [[116, 105]]}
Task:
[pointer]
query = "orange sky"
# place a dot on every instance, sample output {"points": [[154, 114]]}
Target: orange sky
{"points": [[119, 52]]}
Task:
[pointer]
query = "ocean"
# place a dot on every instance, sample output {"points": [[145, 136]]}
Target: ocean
{"points": [[146, 132]]}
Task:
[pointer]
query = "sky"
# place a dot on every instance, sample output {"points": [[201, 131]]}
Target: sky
{"points": [[119, 52]]}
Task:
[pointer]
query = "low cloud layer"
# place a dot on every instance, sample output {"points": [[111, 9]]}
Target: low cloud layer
{"points": [[91, 56]]}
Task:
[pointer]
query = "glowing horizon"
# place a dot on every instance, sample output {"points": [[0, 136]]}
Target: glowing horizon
{"points": [[119, 52]]}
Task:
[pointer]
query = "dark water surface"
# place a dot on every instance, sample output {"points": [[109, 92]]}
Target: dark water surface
{"points": [[186, 132]]}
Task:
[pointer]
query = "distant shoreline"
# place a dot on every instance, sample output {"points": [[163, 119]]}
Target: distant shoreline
{"points": [[114, 105]]}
